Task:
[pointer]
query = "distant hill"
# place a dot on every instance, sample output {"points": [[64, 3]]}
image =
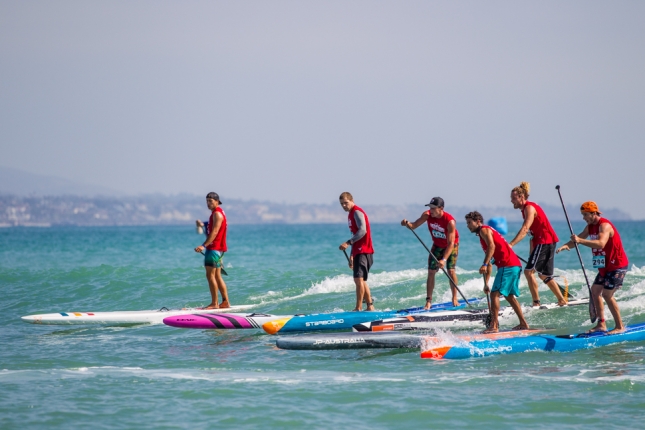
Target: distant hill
{"points": [[20, 183], [46, 211]]}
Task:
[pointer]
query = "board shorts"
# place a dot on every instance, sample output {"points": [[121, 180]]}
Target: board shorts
{"points": [[213, 258], [451, 262], [541, 259], [611, 280], [362, 264], [507, 281]]}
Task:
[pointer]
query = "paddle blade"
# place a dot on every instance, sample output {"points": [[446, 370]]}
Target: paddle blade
{"points": [[592, 311]]}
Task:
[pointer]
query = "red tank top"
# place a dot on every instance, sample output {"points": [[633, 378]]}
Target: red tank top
{"points": [[540, 229], [503, 254], [612, 256], [219, 243], [364, 244], [438, 227]]}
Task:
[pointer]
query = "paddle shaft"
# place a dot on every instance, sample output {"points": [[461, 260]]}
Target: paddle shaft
{"points": [[346, 256], [592, 306], [489, 319], [442, 269]]}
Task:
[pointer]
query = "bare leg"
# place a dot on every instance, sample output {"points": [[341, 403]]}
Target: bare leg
{"points": [[608, 295], [555, 289], [453, 275], [512, 300], [221, 286], [596, 296], [360, 292], [494, 313], [212, 285], [429, 288], [368, 297], [533, 285]]}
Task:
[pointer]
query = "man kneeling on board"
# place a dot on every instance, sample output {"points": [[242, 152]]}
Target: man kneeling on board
{"points": [[509, 268], [609, 258]]}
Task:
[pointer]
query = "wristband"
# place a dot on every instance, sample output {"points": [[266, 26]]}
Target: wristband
{"points": [[485, 265], [349, 242], [204, 244]]}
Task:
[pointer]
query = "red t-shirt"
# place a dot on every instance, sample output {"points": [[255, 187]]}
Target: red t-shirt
{"points": [[219, 243], [541, 228], [612, 256], [438, 228], [503, 254], [364, 244]]}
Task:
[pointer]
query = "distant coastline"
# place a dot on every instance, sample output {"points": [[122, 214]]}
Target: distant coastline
{"points": [[46, 211]]}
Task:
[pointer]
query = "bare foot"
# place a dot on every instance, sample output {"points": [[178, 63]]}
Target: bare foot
{"points": [[356, 310], [370, 308], [562, 304], [616, 330], [224, 304], [491, 330], [521, 327], [598, 327], [455, 303], [211, 306]]}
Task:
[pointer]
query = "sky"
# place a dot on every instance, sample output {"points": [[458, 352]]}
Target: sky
{"points": [[296, 102]]}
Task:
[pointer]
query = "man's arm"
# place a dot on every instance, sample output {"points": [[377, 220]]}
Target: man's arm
{"points": [[359, 218], [211, 236], [487, 236], [529, 216], [604, 233], [567, 246], [423, 218]]}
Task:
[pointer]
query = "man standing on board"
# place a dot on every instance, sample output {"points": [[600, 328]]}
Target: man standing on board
{"points": [[445, 245], [542, 244], [609, 258], [215, 247], [509, 268], [362, 251]]}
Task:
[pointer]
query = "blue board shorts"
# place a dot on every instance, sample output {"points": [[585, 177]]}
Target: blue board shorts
{"points": [[507, 281], [213, 258]]}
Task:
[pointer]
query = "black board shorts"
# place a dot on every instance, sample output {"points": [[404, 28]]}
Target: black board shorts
{"points": [[362, 264], [541, 259], [611, 280]]}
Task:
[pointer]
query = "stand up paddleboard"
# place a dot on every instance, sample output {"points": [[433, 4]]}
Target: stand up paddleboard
{"points": [[368, 340], [119, 317], [345, 320], [445, 319], [560, 343], [222, 321]]}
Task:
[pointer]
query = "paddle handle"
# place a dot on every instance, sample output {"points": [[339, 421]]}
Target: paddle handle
{"points": [[442, 269], [592, 306]]}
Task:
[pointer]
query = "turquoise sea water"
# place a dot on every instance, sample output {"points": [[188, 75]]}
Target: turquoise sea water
{"points": [[154, 376]]}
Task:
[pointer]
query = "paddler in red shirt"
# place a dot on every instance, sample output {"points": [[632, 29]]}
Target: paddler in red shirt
{"points": [[509, 268], [542, 245], [215, 247], [361, 258], [609, 258], [445, 245]]}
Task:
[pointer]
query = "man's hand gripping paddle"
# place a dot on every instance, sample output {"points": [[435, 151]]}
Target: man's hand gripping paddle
{"points": [[442, 269], [593, 315]]}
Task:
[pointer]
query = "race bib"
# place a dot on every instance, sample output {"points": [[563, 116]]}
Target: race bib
{"points": [[598, 261], [438, 234]]}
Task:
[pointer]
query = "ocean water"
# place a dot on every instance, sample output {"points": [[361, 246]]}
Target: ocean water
{"points": [[155, 376]]}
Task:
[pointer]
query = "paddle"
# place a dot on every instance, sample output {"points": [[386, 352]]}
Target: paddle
{"points": [[564, 291], [592, 306], [442, 269], [223, 271], [346, 256], [489, 318]]}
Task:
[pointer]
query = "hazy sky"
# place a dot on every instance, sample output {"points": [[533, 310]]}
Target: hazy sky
{"points": [[297, 101]]}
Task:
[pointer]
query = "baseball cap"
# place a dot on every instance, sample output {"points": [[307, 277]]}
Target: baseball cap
{"points": [[436, 201], [214, 196], [590, 207]]}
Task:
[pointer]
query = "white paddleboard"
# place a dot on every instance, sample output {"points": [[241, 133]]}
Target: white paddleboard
{"points": [[121, 317]]}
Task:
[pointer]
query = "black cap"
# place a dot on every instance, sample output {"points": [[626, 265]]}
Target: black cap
{"points": [[214, 196], [436, 201]]}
